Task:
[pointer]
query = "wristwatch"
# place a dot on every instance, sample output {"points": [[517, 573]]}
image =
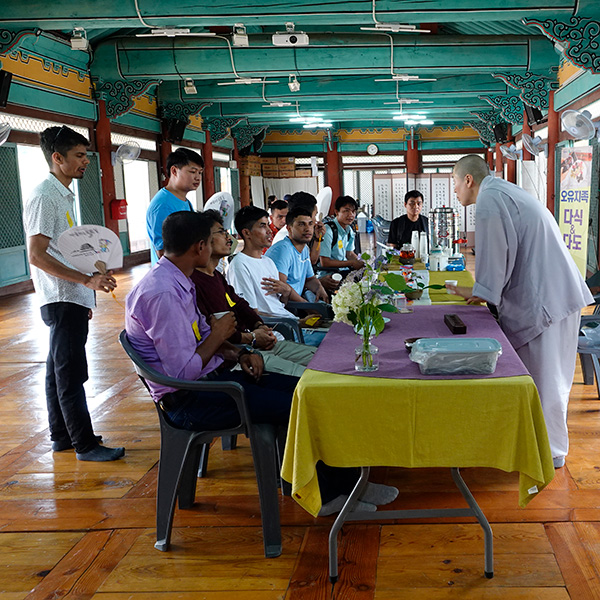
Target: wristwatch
{"points": [[253, 343], [244, 350]]}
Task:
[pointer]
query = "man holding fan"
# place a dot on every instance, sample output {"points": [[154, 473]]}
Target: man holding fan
{"points": [[66, 296]]}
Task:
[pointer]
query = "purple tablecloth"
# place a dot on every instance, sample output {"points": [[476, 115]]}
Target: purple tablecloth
{"points": [[336, 352]]}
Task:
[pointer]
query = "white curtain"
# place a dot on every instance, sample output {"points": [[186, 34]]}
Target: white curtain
{"points": [[257, 192], [281, 187]]}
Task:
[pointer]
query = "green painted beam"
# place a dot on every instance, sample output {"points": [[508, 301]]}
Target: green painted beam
{"points": [[102, 14], [209, 58]]}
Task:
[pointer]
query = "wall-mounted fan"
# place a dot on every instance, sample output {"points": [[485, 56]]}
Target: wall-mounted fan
{"points": [[534, 145], [126, 153], [4, 132], [579, 124], [511, 152]]}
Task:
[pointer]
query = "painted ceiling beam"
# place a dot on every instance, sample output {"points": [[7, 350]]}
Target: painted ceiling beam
{"points": [[102, 14], [209, 58]]}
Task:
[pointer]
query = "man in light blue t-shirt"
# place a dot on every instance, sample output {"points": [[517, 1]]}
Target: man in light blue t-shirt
{"points": [[185, 175], [292, 257], [337, 251]]}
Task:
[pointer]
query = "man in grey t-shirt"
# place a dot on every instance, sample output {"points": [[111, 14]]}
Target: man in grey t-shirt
{"points": [[66, 296]]}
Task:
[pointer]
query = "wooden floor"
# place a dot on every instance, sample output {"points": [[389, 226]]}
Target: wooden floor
{"points": [[85, 530]]}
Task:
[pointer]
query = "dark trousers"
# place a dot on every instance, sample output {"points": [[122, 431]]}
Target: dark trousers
{"points": [[66, 372], [268, 401]]}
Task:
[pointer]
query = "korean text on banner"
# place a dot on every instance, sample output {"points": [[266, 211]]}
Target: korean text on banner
{"points": [[575, 183]]}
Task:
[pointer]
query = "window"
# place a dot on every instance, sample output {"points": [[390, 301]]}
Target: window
{"points": [[137, 177]]}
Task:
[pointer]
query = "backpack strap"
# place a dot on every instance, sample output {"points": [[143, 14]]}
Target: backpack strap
{"points": [[334, 231]]}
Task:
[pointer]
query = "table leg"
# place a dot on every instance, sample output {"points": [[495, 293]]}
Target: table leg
{"points": [[361, 484], [487, 530]]}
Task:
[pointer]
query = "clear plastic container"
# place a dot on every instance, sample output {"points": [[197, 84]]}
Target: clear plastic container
{"points": [[456, 356]]}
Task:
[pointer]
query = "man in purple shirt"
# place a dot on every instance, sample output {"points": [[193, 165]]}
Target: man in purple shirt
{"points": [[167, 330]]}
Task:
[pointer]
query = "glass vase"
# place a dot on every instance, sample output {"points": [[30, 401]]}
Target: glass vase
{"points": [[366, 357]]}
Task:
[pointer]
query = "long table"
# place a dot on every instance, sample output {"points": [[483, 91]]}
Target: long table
{"points": [[405, 419]]}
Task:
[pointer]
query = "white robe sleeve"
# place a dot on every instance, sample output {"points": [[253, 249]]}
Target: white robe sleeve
{"points": [[496, 247]]}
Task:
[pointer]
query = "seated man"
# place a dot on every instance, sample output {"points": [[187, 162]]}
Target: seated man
{"points": [[292, 257], [255, 277], [337, 248], [402, 227], [279, 209], [170, 334], [214, 295]]}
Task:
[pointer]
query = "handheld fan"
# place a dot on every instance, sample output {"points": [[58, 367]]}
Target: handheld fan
{"points": [[4, 132], [324, 200], [127, 153], [91, 248], [578, 124], [222, 202], [534, 144], [511, 152]]}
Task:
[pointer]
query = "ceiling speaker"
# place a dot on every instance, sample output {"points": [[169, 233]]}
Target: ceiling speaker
{"points": [[174, 130], [501, 133], [5, 79], [534, 115]]}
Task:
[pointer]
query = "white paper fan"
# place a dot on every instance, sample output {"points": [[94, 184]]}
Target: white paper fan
{"points": [[91, 248], [222, 202], [324, 200]]}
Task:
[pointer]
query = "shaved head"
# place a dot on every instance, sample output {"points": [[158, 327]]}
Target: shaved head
{"points": [[472, 165]]}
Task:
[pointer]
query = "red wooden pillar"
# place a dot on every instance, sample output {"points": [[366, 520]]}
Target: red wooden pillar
{"points": [[490, 159], [553, 133], [413, 157], [104, 147], [511, 165], [333, 172], [208, 177], [499, 165], [526, 131], [164, 149]]}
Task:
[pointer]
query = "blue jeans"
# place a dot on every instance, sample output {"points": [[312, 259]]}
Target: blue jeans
{"points": [[66, 372]]}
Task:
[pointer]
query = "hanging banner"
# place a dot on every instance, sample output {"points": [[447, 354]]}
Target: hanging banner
{"points": [[574, 207]]}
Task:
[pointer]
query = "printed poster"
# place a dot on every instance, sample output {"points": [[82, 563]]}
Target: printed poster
{"points": [[574, 207]]}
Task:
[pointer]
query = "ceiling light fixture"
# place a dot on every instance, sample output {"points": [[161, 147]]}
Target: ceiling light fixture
{"points": [[272, 103], [189, 87], [293, 83], [79, 39], [315, 125], [393, 27], [246, 81], [240, 37]]}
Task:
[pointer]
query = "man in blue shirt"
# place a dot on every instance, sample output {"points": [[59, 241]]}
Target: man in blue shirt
{"points": [[337, 252], [292, 257], [185, 175]]}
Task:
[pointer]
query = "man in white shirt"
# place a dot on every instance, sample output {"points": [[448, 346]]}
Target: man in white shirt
{"points": [[525, 269], [66, 296]]}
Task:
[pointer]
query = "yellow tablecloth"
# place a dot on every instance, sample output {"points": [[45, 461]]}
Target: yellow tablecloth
{"points": [[463, 278], [348, 421]]}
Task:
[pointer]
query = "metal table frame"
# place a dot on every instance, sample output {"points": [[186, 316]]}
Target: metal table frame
{"points": [[346, 515]]}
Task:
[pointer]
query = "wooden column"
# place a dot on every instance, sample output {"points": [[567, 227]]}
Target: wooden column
{"points": [[104, 147], [413, 157], [511, 165], [526, 130], [553, 133], [244, 179], [490, 159], [164, 149], [333, 166], [499, 165], [208, 177]]}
